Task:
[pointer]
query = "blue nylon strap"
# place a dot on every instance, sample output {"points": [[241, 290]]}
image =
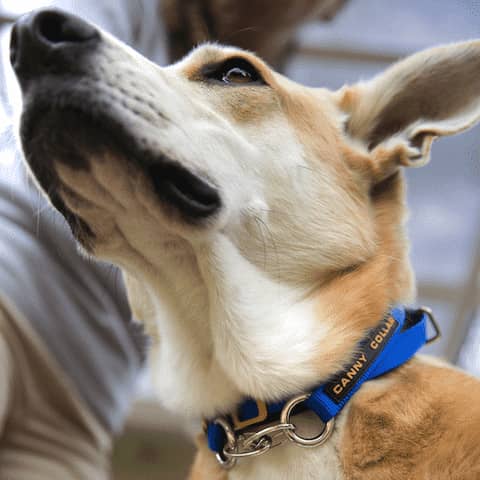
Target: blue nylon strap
{"points": [[215, 437], [387, 347], [401, 346]]}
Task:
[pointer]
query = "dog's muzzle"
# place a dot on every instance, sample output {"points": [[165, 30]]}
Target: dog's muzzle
{"points": [[72, 113]]}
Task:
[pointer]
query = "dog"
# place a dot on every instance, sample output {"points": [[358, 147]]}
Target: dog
{"points": [[259, 225]]}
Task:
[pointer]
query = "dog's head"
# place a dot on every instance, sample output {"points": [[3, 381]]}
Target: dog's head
{"points": [[216, 143], [218, 166]]}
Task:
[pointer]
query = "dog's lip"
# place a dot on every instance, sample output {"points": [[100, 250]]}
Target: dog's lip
{"points": [[193, 196], [188, 191]]}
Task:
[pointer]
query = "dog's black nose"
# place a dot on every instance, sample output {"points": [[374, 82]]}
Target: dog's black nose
{"points": [[49, 38]]}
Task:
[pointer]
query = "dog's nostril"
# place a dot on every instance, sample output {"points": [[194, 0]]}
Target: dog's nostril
{"points": [[56, 27]]}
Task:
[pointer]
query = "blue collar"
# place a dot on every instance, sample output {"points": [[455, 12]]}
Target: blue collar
{"points": [[392, 343]]}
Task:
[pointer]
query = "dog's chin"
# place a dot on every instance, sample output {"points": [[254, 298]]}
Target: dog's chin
{"points": [[72, 136]]}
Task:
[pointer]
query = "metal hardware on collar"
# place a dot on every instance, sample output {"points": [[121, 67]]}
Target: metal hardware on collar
{"points": [[263, 446], [241, 424], [226, 461], [273, 432], [253, 444], [294, 437], [248, 444], [428, 312]]}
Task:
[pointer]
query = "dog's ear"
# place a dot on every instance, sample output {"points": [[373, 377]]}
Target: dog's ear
{"points": [[398, 114]]}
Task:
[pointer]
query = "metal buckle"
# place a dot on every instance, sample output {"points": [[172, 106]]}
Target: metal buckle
{"points": [[428, 312], [252, 444], [261, 417]]}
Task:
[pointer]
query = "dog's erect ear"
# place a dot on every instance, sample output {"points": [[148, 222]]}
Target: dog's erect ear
{"points": [[398, 114]]}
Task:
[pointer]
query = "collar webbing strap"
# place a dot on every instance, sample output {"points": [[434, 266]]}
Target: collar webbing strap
{"points": [[392, 343]]}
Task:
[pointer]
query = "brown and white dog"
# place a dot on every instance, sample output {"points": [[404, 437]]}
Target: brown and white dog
{"points": [[260, 228]]}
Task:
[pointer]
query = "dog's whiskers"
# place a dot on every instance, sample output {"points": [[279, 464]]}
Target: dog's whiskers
{"points": [[261, 224], [262, 228]]}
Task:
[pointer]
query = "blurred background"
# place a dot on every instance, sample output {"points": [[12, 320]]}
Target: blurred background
{"points": [[360, 39]]}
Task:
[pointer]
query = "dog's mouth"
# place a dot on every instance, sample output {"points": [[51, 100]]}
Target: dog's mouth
{"points": [[76, 131], [195, 198]]}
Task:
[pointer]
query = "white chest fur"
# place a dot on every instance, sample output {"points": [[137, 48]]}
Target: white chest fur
{"points": [[226, 342]]}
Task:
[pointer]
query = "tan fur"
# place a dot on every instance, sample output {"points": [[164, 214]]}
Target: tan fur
{"points": [[385, 273], [205, 466], [419, 422]]}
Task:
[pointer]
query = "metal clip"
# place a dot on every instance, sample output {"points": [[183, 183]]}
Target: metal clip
{"points": [[253, 444], [275, 433], [240, 451], [257, 443]]}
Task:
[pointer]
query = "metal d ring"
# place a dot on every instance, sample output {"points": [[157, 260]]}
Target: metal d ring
{"points": [[304, 442], [226, 461], [428, 312]]}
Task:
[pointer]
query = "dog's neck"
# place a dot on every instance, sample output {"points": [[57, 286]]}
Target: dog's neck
{"points": [[227, 330]]}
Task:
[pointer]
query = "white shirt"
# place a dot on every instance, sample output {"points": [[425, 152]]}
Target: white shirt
{"points": [[77, 307]]}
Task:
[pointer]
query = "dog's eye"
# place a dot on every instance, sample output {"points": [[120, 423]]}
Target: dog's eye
{"points": [[234, 71], [237, 75]]}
